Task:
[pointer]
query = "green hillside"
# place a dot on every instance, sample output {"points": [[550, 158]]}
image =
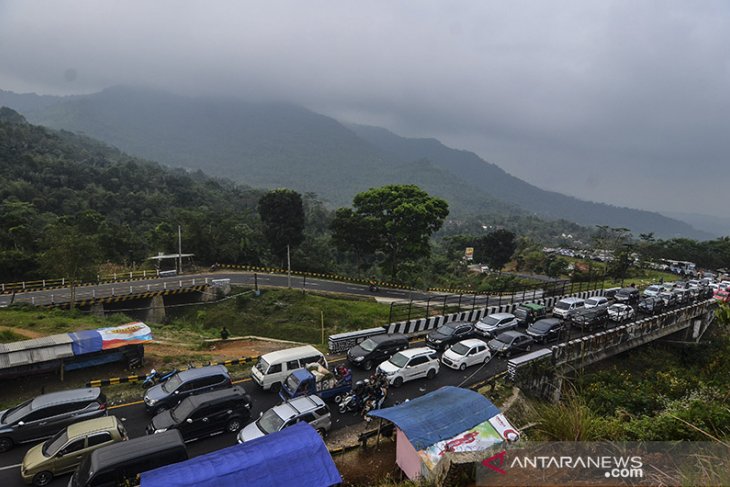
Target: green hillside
{"points": [[273, 144], [55, 185]]}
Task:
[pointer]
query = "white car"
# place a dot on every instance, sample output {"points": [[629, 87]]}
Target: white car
{"points": [[652, 291], [620, 312], [596, 302], [410, 364], [466, 353]]}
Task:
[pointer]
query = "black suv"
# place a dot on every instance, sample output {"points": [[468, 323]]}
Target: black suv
{"points": [[627, 295], [590, 318], [652, 306], [183, 384], [48, 414], [450, 333], [546, 329], [122, 463], [205, 414], [376, 349]]}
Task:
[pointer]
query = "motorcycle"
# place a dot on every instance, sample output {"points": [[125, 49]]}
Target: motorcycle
{"points": [[350, 402], [155, 377]]}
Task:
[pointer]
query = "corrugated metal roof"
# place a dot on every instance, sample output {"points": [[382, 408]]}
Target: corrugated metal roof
{"points": [[36, 343], [36, 350], [25, 357]]}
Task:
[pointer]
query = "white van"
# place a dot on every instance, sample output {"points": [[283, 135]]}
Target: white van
{"points": [[565, 308], [274, 367]]}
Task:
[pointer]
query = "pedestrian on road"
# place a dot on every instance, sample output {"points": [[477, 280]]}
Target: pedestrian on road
{"points": [[225, 333]]}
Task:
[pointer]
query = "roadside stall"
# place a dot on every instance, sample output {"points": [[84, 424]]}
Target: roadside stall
{"points": [[449, 425]]}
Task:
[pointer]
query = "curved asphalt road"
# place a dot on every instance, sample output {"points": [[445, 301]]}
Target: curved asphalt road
{"points": [[63, 295]]}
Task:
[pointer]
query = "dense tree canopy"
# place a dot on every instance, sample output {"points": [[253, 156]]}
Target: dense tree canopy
{"points": [[282, 213], [55, 180], [495, 249], [397, 220]]}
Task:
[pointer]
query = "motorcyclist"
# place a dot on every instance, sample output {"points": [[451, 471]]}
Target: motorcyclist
{"points": [[342, 373]]}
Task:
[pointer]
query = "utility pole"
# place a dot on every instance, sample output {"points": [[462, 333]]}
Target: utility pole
{"points": [[179, 249], [288, 265]]}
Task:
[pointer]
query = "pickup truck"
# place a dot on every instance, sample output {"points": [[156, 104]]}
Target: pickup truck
{"points": [[318, 381]]}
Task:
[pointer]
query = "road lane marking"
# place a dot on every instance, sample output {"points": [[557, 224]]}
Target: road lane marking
{"points": [[10, 466], [125, 404]]}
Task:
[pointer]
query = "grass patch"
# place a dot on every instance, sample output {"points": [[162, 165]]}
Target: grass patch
{"points": [[286, 315], [53, 321], [7, 336]]}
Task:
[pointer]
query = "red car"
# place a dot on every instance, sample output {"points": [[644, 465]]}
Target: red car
{"points": [[722, 295]]}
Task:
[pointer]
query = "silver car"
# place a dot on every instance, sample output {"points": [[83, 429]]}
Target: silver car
{"points": [[494, 324], [311, 409]]}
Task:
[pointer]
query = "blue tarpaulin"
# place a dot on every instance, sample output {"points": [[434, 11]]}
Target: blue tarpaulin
{"points": [[295, 456], [439, 415], [87, 341], [95, 360]]}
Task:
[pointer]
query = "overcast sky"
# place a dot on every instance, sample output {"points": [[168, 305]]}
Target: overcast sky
{"points": [[625, 102]]}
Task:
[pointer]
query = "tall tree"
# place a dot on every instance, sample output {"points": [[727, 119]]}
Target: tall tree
{"points": [[619, 265], [397, 220], [282, 213], [610, 238], [352, 232], [495, 249], [72, 253]]}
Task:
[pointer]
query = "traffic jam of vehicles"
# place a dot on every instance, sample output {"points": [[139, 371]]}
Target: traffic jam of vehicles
{"points": [[73, 432]]}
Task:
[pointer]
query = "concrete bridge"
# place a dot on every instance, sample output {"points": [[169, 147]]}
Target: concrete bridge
{"points": [[542, 372], [144, 300]]}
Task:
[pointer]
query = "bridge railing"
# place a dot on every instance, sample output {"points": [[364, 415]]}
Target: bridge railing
{"points": [[341, 342], [584, 349], [542, 371], [88, 295], [42, 284], [464, 300]]}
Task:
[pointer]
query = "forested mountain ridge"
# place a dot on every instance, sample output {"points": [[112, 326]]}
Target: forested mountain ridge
{"points": [[275, 144], [62, 193], [55, 183]]}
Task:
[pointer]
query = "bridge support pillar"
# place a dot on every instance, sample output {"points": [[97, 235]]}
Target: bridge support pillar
{"points": [[219, 289], [156, 313], [537, 375], [97, 309]]}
